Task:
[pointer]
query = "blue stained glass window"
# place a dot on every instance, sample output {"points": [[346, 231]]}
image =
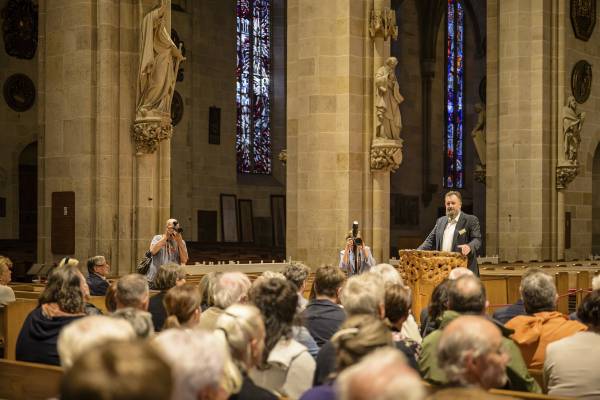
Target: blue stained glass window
{"points": [[253, 87], [453, 135]]}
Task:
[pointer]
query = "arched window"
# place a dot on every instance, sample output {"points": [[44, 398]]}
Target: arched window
{"points": [[253, 88], [453, 135]]}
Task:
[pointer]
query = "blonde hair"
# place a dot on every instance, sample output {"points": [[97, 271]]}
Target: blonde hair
{"points": [[181, 302], [238, 326]]}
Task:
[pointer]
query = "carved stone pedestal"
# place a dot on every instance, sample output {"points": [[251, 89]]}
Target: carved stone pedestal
{"points": [[479, 173], [147, 133], [386, 154], [565, 175]]}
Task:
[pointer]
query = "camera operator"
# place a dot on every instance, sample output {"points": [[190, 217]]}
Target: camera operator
{"points": [[365, 260], [167, 248]]}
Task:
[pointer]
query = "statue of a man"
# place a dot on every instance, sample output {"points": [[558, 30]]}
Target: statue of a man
{"points": [[572, 124], [478, 133], [159, 62], [387, 101]]}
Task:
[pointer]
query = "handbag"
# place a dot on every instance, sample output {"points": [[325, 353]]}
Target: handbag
{"points": [[144, 264]]}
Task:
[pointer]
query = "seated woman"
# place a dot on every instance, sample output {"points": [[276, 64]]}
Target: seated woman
{"points": [[398, 301], [168, 276], [286, 367], [244, 331], [358, 336], [7, 295], [60, 303], [182, 304]]}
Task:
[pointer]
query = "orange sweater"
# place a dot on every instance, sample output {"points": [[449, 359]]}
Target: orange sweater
{"points": [[534, 332]]}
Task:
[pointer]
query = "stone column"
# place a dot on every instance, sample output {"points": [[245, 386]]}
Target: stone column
{"points": [[328, 82], [521, 121]]}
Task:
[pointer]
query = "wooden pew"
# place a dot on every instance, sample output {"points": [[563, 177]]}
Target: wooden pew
{"points": [[29, 381], [526, 395], [12, 319]]}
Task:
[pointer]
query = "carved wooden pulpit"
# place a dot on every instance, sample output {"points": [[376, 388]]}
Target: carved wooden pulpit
{"points": [[423, 270]]}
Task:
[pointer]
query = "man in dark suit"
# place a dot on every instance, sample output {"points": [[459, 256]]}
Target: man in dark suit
{"points": [[457, 231], [98, 270]]}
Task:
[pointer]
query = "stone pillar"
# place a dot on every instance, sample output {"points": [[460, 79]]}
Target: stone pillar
{"points": [[88, 59], [522, 84], [328, 82]]}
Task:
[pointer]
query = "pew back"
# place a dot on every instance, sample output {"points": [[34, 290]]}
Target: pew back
{"points": [[21, 380]]}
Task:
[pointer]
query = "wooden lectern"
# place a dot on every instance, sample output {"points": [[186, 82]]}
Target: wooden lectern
{"points": [[423, 270]]}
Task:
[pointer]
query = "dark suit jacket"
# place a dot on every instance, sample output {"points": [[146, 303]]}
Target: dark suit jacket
{"points": [[471, 236], [98, 286]]}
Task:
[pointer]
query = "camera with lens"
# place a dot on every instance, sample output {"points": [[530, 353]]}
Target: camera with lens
{"points": [[176, 227], [358, 241]]}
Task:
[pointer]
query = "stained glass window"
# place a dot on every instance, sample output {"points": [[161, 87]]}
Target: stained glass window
{"points": [[253, 88], [453, 135]]}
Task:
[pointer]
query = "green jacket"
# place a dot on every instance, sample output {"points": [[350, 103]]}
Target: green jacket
{"points": [[518, 376]]}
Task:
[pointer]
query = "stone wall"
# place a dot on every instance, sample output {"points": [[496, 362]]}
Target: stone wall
{"points": [[202, 171], [19, 129]]}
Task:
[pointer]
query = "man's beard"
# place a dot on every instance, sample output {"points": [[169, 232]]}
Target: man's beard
{"points": [[451, 213]]}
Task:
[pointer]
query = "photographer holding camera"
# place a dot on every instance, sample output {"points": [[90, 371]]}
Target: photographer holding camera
{"points": [[167, 248], [354, 245]]}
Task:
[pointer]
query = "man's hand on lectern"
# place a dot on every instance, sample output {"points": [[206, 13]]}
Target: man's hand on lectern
{"points": [[464, 249]]}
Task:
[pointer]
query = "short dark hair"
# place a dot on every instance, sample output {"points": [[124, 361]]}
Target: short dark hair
{"points": [[397, 302], [119, 370], [439, 300], [64, 289], [466, 295], [589, 310], [93, 261], [328, 279]]}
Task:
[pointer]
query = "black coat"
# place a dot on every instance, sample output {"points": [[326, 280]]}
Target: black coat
{"points": [[323, 318], [98, 286]]}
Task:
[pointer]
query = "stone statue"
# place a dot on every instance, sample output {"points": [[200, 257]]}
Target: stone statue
{"points": [[159, 62], [387, 101], [478, 133], [572, 124]]}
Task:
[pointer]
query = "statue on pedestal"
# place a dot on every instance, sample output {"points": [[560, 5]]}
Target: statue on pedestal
{"points": [[572, 124], [387, 101], [159, 62]]}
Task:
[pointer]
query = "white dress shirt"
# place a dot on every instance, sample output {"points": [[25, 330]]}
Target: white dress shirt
{"points": [[449, 233]]}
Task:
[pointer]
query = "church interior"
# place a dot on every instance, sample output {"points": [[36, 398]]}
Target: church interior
{"points": [[266, 128]]}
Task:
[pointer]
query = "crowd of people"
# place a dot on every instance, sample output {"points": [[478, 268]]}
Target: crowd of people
{"points": [[354, 338]]}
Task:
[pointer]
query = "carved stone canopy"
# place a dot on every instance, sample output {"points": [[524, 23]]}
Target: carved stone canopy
{"points": [[565, 174], [386, 154], [383, 23]]}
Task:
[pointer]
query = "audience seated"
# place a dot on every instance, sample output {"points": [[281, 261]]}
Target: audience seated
{"points": [[358, 336], [119, 371], [98, 270], [243, 330], [167, 276], [286, 367], [571, 364], [197, 359], [60, 303], [7, 295], [542, 324], [323, 314], [595, 286], [432, 314], [381, 375], [471, 354], [207, 289], [182, 304], [391, 276], [132, 298], [362, 294], [85, 334], [297, 274], [398, 301], [466, 295], [230, 288]]}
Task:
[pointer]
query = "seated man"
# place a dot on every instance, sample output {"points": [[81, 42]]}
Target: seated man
{"points": [[119, 371], [466, 296], [132, 299], [297, 274], [543, 324], [471, 354], [323, 314], [98, 270], [230, 288]]}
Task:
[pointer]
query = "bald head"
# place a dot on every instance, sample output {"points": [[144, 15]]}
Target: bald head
{"points": [[470, 352], [466, 295], [459, 272]]}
